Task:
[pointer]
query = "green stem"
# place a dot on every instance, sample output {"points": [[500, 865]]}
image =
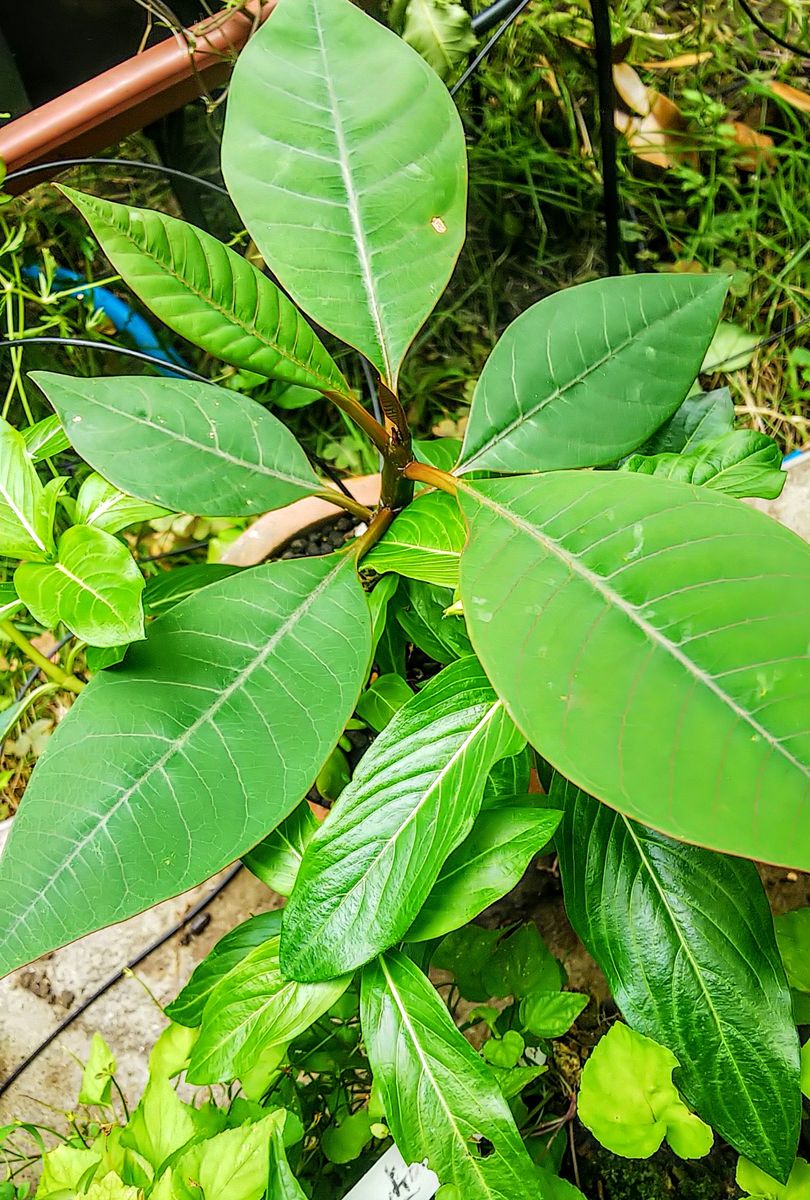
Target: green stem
{"points": [[341, 500], [51, 669], [370, 426], [423, 473]]}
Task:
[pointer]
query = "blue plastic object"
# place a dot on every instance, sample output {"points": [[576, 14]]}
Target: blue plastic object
{"points": [[118, 311]]}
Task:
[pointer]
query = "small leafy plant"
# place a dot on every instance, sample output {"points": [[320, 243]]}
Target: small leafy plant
{"points": [[594, 599]]}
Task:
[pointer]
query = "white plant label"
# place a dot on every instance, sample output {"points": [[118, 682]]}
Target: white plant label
{"points": [[392, 1179]]}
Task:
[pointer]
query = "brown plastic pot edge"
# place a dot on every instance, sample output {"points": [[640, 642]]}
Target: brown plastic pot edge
{"points": [[120, 101]]}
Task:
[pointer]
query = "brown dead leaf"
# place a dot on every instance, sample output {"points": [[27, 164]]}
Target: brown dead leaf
{"points": [[677, 62], [755, 148], [656, 135], [632, 89], [791, 95], [46, 644]]}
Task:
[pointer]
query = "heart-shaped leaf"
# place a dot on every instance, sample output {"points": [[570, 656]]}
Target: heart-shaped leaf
{"points": [[191, 447], [357, 208], [414, 796], [203, 740], [209, 294], [644, 630], [686, 940], [93, 585], [586, 375]]}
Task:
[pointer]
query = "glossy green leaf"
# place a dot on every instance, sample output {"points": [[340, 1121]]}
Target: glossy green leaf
{"points": [[191, 447], [685, 938], [64, 1169], [105, 507], [233, 1164], [702, 417], [440, 1097], [25, 531], [253, 1007], [805, 1070], [427, 623], [282, 1184], [380, 702], [424, 542], [168, 588], [10, 602], [160, 1125], [276, 859], [505, 1051], [510, 777], [441, 31], [172, 1050], [793, 939], [344, 1142], [357, 208], [647, 605], [414, 796], [523, 964], [586, 375], [551, 1014], [45, 439], [93, 586], [187, 1008], [438, 452], [490, 861], [219, 722], [628, 1100], [96, 1087], [209, 294], [468, 954], [112, 1187], [742, 463], [760, 1186]]}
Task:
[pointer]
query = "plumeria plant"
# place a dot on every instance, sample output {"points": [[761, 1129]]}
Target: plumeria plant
{"points": [[601, 611]]}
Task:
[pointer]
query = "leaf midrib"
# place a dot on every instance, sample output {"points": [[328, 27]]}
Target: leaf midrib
{"points": [[216, 451], [458, 753], [428, 1073], [249, 328], [180, 742], [654, 635], [465, 463], [353, 201], [687, 951]]}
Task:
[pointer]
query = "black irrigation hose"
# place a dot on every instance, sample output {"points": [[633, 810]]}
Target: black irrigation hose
{"points": [[175, 172], [32, 674], [603, 46], [485, 49], [800, 51], [489, 17], [88, 344], [105, 987]]}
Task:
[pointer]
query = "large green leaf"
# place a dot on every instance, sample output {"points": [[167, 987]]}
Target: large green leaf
{"points": [[424, 541], [252, 1008], [104, 506], [168, 588], [187, 1008], [441, 30], [277, 858], [686, 940], [441, 1100], [586, 375], [25, 531], [649, 639], [200, 743], [490, 861], [93, 585], [414, 796], [357, 207], [209, 294], [188, 446], [741, 463]]}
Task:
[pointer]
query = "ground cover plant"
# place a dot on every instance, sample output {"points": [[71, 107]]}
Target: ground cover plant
{"points": [[594, 599]]}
